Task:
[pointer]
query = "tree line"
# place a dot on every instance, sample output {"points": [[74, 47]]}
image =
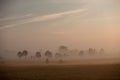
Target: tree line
{"points": [[63, 51]]}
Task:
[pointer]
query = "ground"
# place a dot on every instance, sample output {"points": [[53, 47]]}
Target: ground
{"points": [[61, 72]]}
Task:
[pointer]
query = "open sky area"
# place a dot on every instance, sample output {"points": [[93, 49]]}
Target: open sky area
{"points": [[47, 24]]}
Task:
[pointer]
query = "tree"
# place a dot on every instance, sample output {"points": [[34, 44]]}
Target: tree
{"points": [[59, 57], [91, 51], [102, 51], [38, 54], [63, 50], [48, 54], [25, 53], [81, 52], [94, 51], [19, 54]]}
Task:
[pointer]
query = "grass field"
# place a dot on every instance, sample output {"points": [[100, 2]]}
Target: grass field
{"points": [[61, 72]]}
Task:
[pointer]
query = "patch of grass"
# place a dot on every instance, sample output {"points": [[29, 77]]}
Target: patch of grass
{"points": [[61, 72]]}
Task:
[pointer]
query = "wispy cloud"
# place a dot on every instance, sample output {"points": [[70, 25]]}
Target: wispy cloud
{"points": [[14, 17], [44, 18], [54, 16], [7, 26]]}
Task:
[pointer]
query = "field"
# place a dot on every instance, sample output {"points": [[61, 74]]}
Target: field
{"points": [[61, 72]]}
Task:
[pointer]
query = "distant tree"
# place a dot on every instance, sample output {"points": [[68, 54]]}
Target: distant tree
{"points": [[94, 51], [47, 61], [48, 54], [91, 51], [81, 52], [102, 51], [38, 54], [25, 53], [19, 54], [59, 57], [63, 50]]}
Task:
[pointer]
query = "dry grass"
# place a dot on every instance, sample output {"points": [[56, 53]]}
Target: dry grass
{"points": [[61, 72]]}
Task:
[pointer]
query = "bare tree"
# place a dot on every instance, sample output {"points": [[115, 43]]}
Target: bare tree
{"points": [[94, 51], [91, 51], [63, 48]]}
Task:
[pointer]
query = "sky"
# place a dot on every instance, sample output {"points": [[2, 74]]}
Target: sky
{"points": [[47, 24]]}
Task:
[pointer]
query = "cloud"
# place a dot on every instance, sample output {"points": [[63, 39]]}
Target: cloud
{"points": [[54, 16], [7, 26], [15, 17], [43, 18]]}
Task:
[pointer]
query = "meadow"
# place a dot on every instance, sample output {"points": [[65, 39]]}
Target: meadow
{"points": [[61, 72]]}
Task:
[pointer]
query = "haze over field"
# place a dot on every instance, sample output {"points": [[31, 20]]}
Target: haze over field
{"points": [[59, 39], [46, 24]]}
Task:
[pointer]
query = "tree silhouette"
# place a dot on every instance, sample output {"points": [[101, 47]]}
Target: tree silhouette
{"points": [[81, 52], [91, 51], [63, 50], [48, 54], [19, 54], [25, 53], [38, 54], [59, 57], [102, 51]]}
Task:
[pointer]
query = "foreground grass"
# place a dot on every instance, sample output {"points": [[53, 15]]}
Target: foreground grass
{"points": [[61, 72]]}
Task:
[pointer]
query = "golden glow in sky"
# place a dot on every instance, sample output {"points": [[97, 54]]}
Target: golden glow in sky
{"points": [[80, 24]]}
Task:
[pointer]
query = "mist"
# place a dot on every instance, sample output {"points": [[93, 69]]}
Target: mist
{"points": [[46, 25]]}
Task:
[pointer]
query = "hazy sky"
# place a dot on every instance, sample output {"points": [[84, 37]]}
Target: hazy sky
{"points": [[46, 24]]}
